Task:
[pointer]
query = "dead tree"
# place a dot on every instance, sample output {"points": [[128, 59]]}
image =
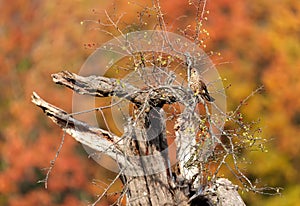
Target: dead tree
{"points": [[142, 151]]}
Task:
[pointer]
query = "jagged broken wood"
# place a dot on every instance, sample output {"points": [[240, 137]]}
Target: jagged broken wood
{"points": [[160, 188]]}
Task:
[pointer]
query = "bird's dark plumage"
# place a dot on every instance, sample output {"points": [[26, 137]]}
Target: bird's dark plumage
{"points": [[198, 86]]}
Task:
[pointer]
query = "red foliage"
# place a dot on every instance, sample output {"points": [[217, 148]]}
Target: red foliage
{"points": [[37, 38]]}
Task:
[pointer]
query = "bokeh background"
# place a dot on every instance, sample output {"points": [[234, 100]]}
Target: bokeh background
{"points": [[259, 42]]}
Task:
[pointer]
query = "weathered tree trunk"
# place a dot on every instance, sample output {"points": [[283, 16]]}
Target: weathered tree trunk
{"points": [[142, 150]]}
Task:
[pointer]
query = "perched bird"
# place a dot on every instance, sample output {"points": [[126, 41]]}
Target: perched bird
{"points": [[198, 86]]}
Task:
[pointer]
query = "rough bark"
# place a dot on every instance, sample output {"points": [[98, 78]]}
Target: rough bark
{"points": [[165, 187], [104, 87]]}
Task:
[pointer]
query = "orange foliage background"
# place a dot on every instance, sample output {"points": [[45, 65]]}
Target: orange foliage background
{"points": [[260, 40]]}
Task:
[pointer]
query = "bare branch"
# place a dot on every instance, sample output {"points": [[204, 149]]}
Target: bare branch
{"points": [[99, 86], [94, 85], [52, 162], [95, 138]]}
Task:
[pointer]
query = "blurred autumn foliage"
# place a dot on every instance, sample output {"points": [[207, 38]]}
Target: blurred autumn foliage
{"points": [[259, 42]]}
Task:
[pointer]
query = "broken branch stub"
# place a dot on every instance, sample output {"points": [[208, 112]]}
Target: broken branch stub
{"points": [[104, 87], [98, 139]]}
